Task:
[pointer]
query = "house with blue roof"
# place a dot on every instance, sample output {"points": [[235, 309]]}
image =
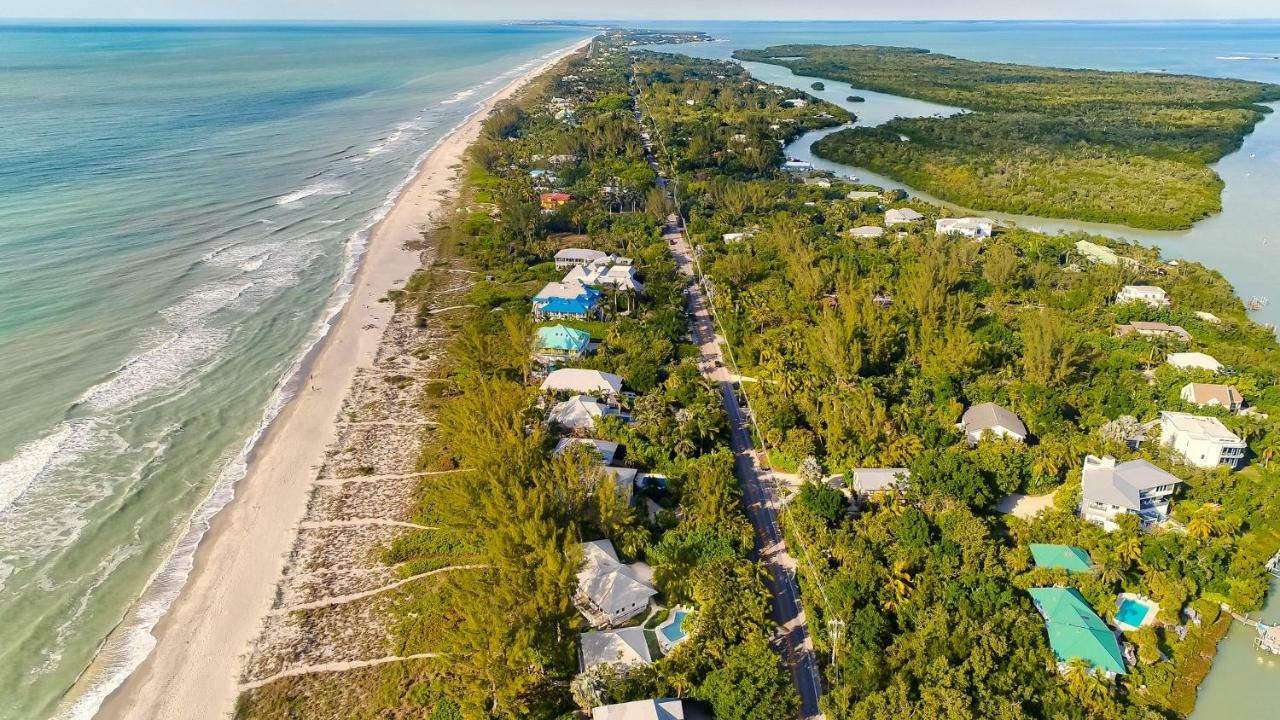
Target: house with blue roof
{"points": [[571, 300]]}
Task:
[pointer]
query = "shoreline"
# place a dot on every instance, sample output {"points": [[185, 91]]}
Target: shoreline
{"points": [[230, 586]]}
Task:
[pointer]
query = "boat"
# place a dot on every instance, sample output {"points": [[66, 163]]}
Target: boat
{"points": [[1257, 302]]}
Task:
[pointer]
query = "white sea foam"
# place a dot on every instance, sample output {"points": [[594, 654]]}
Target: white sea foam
{"points": [[31, 460], [159, 368], [324, 187], [459, 96]]}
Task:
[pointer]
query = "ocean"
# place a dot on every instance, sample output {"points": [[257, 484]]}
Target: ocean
{"points": [[1242, 242], [182, 209]]}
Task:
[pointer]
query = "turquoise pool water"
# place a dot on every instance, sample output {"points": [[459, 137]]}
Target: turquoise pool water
{"points": [[674, 631], [1132, 612]]}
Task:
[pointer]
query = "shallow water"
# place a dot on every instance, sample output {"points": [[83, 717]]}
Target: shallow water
{"points": [[181, 209]]}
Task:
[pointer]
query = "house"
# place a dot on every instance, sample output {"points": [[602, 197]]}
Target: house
{"points": [[1076, 631], [795, 102], [609, 592], [610, 271], [869, 481], [562, 341], [1149, 294], [992, 418], [572, 300], [797, 166], [862, 195], [579, 413], [553, 201], [576, 257], [1153, 330], [625, 647], [1194, 361], [665, 709], [1208, 317], [733, 236], [867, 231], [608, 450], [1061, 557], [899, 216], [583, 382], [818, 182], [1203, 441], [1108, 489], [1103, 255], [1209, 394], [972, 227]]}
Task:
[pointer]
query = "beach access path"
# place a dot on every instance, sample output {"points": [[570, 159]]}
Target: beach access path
{"points": [[200, 643]]}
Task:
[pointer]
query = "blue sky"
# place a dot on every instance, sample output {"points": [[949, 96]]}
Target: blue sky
{"points": [[637, 9]]}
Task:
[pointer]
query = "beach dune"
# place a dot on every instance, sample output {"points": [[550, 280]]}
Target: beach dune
{"points": [[201, 642]]}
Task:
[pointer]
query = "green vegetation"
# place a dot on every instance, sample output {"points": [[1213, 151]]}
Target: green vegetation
{"points": [[1130, 148], [818, 86], [865, 352], [855, 99]]}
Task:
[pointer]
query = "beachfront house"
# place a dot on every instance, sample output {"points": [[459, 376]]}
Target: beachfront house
{"points": [[1149, 294], [607, 450], [1194, 361], [610, 592], [1153, 330], [579, 413], [552, 201], [623, 648], [1202, 441], [561, 342], [1109, 489], [869, 482], [901, 216], [664, 709], [566, 301], [577, 257], [1061, 557], [1076, 632], [1000, 422], [582, 382], [970, 227], [1103, 255], [867, 231], [1213, 395]]}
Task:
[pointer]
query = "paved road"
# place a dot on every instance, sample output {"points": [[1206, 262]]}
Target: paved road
{"points": [[758, 497]]}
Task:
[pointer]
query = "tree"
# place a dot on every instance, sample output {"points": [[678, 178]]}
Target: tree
{"points": [[1050, 354], [750, 685]]}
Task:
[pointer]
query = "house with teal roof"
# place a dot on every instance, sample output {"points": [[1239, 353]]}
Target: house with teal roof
{"points": [[562, 341], [1062, 557], [1076, 631]]}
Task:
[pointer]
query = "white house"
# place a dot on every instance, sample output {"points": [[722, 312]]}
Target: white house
{"points": [[795, 102], [1149, 294], [867, 231], [899, 216], [665, 709], [577, 257], [625, 648], [608, 450], [1103, 255], [583, 382], [1194, 361], [1109, 489], [616, 272], [862, 194], [609, 592], [973, 227], [1203, 441], [1209, 394], [579, 412], [992, 418], [869, 481], [1153, 330], [733, 237]]}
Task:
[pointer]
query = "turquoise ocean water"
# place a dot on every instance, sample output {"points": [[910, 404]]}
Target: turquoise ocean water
{"points": [[180, 211], [1243, 242]]}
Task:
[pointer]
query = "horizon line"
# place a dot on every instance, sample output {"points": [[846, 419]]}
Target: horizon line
{"points": [[597, 21]]}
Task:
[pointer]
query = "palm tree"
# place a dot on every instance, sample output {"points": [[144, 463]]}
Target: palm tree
{"points": [[899, 584], [1085, 683], [1129, 549]]}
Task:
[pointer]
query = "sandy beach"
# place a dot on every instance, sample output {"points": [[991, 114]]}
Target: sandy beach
{"points": [[203, 639]]}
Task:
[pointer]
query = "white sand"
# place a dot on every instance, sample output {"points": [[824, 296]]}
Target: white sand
{"points": [[201, 642]]}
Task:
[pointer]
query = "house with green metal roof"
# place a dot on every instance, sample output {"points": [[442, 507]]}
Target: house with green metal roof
{"points": [[563, 341], [1076, 631], [1065, 557]]}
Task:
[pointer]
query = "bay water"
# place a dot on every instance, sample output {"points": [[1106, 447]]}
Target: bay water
{"points": [[182, 209]]}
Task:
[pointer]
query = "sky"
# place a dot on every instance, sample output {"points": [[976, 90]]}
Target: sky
{"points": [[637, 9]]}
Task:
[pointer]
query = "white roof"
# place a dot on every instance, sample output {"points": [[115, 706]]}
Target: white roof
{"points": [[1201, 427], [900, 215], [988, 416], [609, 647], [862, 194], [1121, 485], [965, 222], [578, 254], [608, 450], [666, 709], [867, 231], [568, 290], [1142, 290], [872, 480], [1194, 360], [582, 381], [607, 583], [578, 412]]}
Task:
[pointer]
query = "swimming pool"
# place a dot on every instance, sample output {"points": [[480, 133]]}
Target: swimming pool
{"points": [[673, 630], [1131, 612]]}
